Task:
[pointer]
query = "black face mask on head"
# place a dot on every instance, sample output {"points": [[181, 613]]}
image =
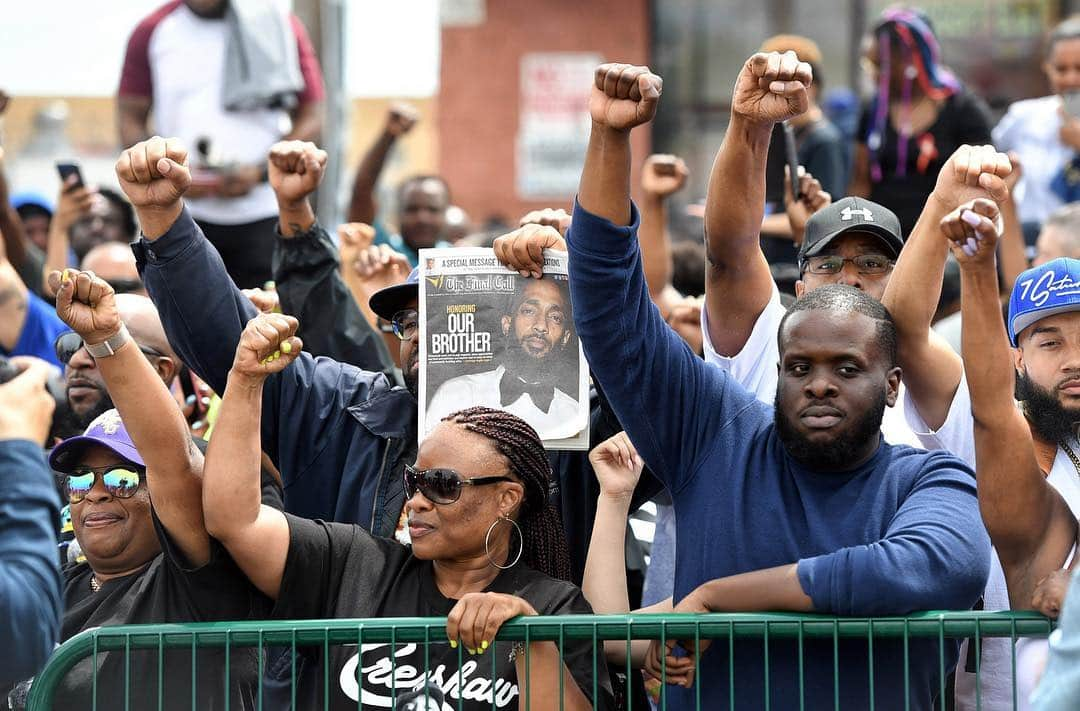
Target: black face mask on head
{"points": [[1051, 420], [838, 454]]}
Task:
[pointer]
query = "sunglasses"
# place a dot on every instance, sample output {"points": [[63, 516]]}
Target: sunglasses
{"points": [[121, 481], [404, 324], [126, 286], [442, 486], [67, 345]]}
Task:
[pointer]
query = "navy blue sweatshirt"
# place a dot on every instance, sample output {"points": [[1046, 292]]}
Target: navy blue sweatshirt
{"points": [[30, 605], [900, 533]]}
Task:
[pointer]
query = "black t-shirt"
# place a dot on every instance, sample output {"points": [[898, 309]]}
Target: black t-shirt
{"points": [[964, 118], [167, 590], [338, 570]]}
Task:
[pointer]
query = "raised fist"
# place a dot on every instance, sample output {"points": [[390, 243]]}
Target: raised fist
{"points": [[296, 169], [772, 87], [86, 303], [548, 217], [154, 173], [523, 249], [973, 172], [663, 175], [400, 119], [973, 230], [267, 346], [379, 266], [624, 96]]}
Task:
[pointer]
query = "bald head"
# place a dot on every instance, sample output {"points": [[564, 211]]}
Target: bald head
{"points": [[143, 323], [114, 262]]}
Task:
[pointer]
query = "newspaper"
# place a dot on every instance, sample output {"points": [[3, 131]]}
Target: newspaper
{"points": [[491, 337]]}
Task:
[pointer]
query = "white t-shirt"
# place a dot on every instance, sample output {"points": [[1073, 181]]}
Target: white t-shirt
{"points": [[755, 367], [563, 419], [957, 436], [178, 59], [1032, 129]]}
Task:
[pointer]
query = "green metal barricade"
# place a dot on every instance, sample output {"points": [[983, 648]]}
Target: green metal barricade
{"points": [[720, 628]]}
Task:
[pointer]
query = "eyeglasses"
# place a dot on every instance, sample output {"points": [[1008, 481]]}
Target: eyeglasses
{"points": [[67, 344], [833, 264], [404, 324], [120, 481], [125, 286], [442, 486]]}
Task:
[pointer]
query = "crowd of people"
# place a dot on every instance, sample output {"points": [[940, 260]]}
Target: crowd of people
{"points": [[221, 421]]}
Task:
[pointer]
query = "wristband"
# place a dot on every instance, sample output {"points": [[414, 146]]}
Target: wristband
{"points": [[110, 345]]}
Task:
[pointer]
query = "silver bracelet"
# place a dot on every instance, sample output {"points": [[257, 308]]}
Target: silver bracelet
{"points": [[110, 345]]}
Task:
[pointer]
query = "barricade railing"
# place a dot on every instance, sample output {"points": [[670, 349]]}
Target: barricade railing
{"points": [[292, 637]]}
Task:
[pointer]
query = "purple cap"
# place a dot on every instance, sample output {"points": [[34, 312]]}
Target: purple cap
{"points": [[106, 431]]}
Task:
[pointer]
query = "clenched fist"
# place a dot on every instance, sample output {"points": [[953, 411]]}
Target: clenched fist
{"points": [[772, 87], [296, 169], [400, 119], [624, 96], [973, 230], [663, 175], [86, 303], [267, 346], [973, 172], [154, 175]]}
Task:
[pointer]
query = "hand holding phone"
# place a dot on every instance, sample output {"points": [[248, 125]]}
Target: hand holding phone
{"points": [[66, 169]]}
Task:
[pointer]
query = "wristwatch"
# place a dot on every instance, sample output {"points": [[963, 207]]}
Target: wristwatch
{"points": [[110, 345]]}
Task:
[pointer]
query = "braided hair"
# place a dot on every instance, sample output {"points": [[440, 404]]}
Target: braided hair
{"points": [[543, 540], [911, 32]]}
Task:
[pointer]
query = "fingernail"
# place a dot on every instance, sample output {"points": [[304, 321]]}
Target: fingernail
{"points": [[967, 250], [484, 645], [973, 244], [453, 644], [777, 87], [66, 275], [970, 217], [286, 347], [190, 400]]}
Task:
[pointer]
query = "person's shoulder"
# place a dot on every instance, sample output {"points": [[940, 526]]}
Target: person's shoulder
{"points": [[149, 23], [546, 594], [919, 464]]}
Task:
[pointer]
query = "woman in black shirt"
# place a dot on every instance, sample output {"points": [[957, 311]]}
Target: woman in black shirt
{"points": [[918, 117], [486, 547]]}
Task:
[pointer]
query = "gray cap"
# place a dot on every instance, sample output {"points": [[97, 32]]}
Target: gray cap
{"points": [[851, 214]]}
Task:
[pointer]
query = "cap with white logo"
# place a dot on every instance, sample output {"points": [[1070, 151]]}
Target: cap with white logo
{"points": [[1043, 291], [852, 214]]}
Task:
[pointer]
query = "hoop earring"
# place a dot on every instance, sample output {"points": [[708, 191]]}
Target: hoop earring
{"points": [[487, 541]]}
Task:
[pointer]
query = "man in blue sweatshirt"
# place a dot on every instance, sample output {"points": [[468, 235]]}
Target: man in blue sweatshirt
{"points": [[799, 507], [30, 606]]}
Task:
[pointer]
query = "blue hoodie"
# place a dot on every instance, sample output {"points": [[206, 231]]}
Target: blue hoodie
{"points": [[900, 533]]}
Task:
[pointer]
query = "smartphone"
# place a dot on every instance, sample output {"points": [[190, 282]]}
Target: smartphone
{"points": [[792, 156], [66, 169], [1071, 101]]}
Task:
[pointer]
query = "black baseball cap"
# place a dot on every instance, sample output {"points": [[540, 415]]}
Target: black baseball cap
{"points": [[387, 302], [851, 214]]}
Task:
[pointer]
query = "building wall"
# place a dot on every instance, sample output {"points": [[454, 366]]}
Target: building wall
{"points": [[479, 93]]}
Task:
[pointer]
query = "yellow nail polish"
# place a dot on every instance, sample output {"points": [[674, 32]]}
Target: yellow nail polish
{"points": [[484, 645], [66, 276], [286, 347], [453, 644]]}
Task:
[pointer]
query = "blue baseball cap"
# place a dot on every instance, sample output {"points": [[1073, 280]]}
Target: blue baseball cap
{"points": [[1042, 291], [106, 431], [387, 302], [29, 197]]}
